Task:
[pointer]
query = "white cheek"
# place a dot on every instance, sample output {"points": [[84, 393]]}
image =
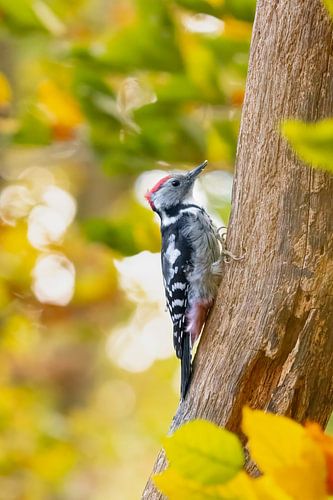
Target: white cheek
{"points": [[163, 199], [157, 201]]}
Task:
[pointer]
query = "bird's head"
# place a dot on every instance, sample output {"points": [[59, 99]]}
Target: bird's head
{"points": [[173, 189]]}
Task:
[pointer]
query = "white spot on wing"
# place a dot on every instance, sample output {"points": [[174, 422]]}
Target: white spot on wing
{"points": [[178, 286], [172, 253], [177, 302]]}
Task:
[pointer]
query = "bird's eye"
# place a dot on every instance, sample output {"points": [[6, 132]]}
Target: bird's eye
{"points": [[175, 183]]}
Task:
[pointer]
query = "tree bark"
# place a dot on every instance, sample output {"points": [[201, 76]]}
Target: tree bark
{"points": [[269, 340]]}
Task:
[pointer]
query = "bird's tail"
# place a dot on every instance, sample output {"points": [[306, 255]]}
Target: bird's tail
{"points": [[185, 365]]}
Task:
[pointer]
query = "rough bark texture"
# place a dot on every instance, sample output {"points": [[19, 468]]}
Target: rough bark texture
{"points": [[269, 340]]}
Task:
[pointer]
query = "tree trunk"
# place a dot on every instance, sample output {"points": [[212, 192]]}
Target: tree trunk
{"points": [[269, 340]]}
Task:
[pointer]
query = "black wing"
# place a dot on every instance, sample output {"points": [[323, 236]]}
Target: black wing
{"points": [[176, 264]]}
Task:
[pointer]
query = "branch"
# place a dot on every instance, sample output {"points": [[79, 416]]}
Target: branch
{"points": [[268, 342]]}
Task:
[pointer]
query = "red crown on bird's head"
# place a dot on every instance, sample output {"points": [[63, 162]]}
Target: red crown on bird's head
{"points": [[153, 190]]}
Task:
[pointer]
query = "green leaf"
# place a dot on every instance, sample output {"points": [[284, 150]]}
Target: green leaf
{"points": [[329, 5], [123, 232], [20, 13], [203, 451], [32, 130], [23, 15], [241, 9], [313, 142]]}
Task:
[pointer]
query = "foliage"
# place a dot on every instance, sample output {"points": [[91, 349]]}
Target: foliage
{"points": [[295, 461], [93, 96], [313, 142], [329, 5], [150, 94], [190, 456]]}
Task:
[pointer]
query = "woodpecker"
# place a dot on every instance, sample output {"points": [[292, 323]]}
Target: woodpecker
{"points": [[191, 255]]}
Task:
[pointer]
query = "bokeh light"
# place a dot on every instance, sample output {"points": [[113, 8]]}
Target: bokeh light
{"points": [[203, 23], [15, 203], [146, 337], [53, 279], [98, 101], [48, 222]]}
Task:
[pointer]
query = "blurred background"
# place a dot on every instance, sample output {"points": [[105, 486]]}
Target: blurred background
{"points": [[98, 98]]}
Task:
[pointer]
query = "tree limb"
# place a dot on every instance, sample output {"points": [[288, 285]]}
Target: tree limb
{"points": [[269, 340]]}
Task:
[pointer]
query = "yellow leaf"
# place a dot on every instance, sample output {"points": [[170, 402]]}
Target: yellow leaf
{"points": [[244, 487], [177, 487], [52, 463], [17, 257], [196, 54], [60, 109], [329, 6], [5, 91], [274, 441], [267, 489], [283, 450], [216, 3], [241, 487], [18, 335], [325, 443], [217, 148], [237, 29]]}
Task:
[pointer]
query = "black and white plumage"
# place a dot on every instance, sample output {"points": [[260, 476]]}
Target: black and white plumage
{"points": [[191, 261]]}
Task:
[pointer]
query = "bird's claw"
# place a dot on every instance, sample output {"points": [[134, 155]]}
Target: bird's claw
{"points": [[229, 256]]}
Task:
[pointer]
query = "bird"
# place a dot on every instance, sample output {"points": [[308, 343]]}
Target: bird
{"points": [[191, 256]]}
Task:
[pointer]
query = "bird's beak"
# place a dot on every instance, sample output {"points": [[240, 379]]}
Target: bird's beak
{"points": [[193, 174]]}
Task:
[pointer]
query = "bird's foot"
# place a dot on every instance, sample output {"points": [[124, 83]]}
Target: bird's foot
{"points": [[229, 256]]}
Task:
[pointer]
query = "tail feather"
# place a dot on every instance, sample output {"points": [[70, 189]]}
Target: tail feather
{"points": [[185, 365]]}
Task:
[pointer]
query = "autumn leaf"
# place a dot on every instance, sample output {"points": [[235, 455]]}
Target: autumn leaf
{"points": [[177, 487], [244, 487], [237, 97], [5, 91], [329, 6], [312, 142], [241, 487], [326, 444], [283, 450], [267, 489], [54, 461], [60, 109], [237, 29], [202, 450]]}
